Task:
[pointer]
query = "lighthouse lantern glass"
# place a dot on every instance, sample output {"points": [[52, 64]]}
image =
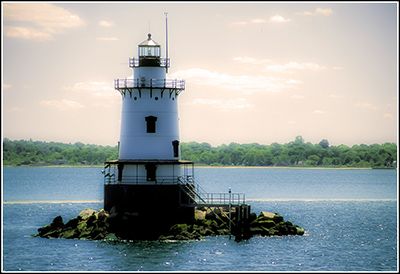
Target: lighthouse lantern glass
{"points": [[149, 51]]}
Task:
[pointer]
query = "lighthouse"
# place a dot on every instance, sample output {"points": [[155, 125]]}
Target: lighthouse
{"points": [[149, 176]]}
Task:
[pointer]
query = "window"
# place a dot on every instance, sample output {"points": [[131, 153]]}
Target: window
{"points": [[151, 124], [151, 172], [175, 144]]}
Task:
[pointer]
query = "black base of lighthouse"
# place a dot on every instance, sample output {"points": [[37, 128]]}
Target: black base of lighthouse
{"points": [[144, 212]]}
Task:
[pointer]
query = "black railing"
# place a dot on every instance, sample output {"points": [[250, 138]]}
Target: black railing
{"points": [[200, 196], [132, 180], [191, 187], [149, 83], [135, 62]]}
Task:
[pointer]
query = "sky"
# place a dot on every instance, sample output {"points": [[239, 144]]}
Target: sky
{"points": [[255, 72]]}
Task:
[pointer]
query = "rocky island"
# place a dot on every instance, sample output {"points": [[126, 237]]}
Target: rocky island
{"points": [[99, 225]]}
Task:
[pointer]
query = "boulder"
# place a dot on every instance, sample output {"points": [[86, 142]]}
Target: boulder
{"points": [[44, 230], [272, 224], [88, 224], [267, 223], [267, 215], [199, 214], [68, 234], [86, 213], [57, 223], [72, 223], [52, 230]]}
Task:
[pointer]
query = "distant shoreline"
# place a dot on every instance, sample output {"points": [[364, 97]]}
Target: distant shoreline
{"points": [[282, 167], [244, 167], [54, 202], [250, 200]]}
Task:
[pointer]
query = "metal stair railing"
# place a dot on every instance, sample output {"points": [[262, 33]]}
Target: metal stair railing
{"points": [[192, 193], [200, 196], [190, 189]]}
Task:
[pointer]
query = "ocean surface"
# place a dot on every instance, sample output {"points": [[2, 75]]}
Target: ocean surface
{"points": [[350, 218]]}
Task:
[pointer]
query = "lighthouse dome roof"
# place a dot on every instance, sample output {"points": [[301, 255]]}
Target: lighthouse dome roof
{"points": [[149, 42]]}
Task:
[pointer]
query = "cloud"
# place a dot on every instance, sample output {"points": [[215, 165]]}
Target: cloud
{"points": [[107, 24], [239, 23], [103, 89], [337, 96], [317, 11], [292, 81], [107, 38], [274, 19], [238, 103], [62, 104], [13, 109], [253, 61], [6, 86], [323, 11], [307, 13], [318, 111], [388, 116], [27, 33], [243, 83], [279, 19], [285, 68], [48, 18], [366, 105], [258, 21], [103, 93], [291, 66], [296, 96]]}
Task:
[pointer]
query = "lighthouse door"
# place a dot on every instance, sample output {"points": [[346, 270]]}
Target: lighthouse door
{"points": [[151, 172]]}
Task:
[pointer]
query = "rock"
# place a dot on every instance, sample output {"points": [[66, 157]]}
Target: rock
{"points": [[210, 215], [86, 213], [268, 215], [273, 232], [44, 230], [68, 234], [258, 231], [72, 223], [267, 224], [277, 218], [272, 224], [52, 233], [52, 230], [57, 223], [199, 214], [252, 217], [299, 230], [179, 228], [102, 215], [88, 224]]}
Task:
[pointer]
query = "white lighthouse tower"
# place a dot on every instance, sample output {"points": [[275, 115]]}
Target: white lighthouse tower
{"points": [[149, 121], [149, 174]]}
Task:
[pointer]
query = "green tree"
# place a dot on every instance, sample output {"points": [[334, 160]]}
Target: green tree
{"points": [[324, 143], [312, 160]]}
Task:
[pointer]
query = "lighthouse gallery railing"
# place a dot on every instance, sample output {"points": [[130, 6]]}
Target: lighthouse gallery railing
{"points": [[149, 83], [192, 188]]}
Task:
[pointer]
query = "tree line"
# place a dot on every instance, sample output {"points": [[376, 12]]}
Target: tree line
{"points": [[28, 152], [296, 153]]}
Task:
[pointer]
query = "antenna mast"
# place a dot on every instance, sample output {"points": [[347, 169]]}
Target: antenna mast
{"points": [[166, 41]]}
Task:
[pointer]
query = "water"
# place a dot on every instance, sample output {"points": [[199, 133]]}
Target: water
{"points": [[350, 218]]}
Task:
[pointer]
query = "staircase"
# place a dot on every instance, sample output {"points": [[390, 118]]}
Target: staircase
{"points": [[202, 198], [199, 197]]}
